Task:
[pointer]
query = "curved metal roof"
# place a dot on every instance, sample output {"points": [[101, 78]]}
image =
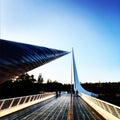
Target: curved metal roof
{"points": [[17, 58]]}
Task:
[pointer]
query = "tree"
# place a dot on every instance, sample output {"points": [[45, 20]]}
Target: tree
{"points": [[49, 81], [32, 79], [23, 77], [40, 79]]}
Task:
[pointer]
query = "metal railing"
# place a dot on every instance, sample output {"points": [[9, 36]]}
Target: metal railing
{"points": [[106, 108], [10, 105]]}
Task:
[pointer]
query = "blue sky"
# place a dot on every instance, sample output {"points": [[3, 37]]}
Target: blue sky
{"points": [[91, 27]]}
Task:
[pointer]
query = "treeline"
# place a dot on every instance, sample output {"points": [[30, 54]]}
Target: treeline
{"points": [[22, 88], [26, 84], [104, 89], [109, 92]]}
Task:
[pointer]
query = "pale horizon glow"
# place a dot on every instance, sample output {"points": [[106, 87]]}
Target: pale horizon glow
{"points": [[92, 28]]}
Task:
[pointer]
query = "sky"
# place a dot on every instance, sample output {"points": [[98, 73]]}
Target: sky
{"points": [[91, 27]]}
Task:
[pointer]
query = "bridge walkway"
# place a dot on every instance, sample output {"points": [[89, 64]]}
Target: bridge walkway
{"points": [[57, 109], [81, 111]]}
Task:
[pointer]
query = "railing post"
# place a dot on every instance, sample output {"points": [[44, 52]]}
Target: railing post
{"points": [[11, 103], [19, 101], [2, 104]]}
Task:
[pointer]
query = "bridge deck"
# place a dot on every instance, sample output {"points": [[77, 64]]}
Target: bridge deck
{"points": [[81, 111], [57, 109], [54, 110]]}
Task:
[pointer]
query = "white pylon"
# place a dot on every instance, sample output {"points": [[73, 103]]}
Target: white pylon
{"points": [[77, 85]]}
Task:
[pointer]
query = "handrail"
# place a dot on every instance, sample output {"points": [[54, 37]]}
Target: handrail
{"points": [[113, 110], [13, 104]]}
